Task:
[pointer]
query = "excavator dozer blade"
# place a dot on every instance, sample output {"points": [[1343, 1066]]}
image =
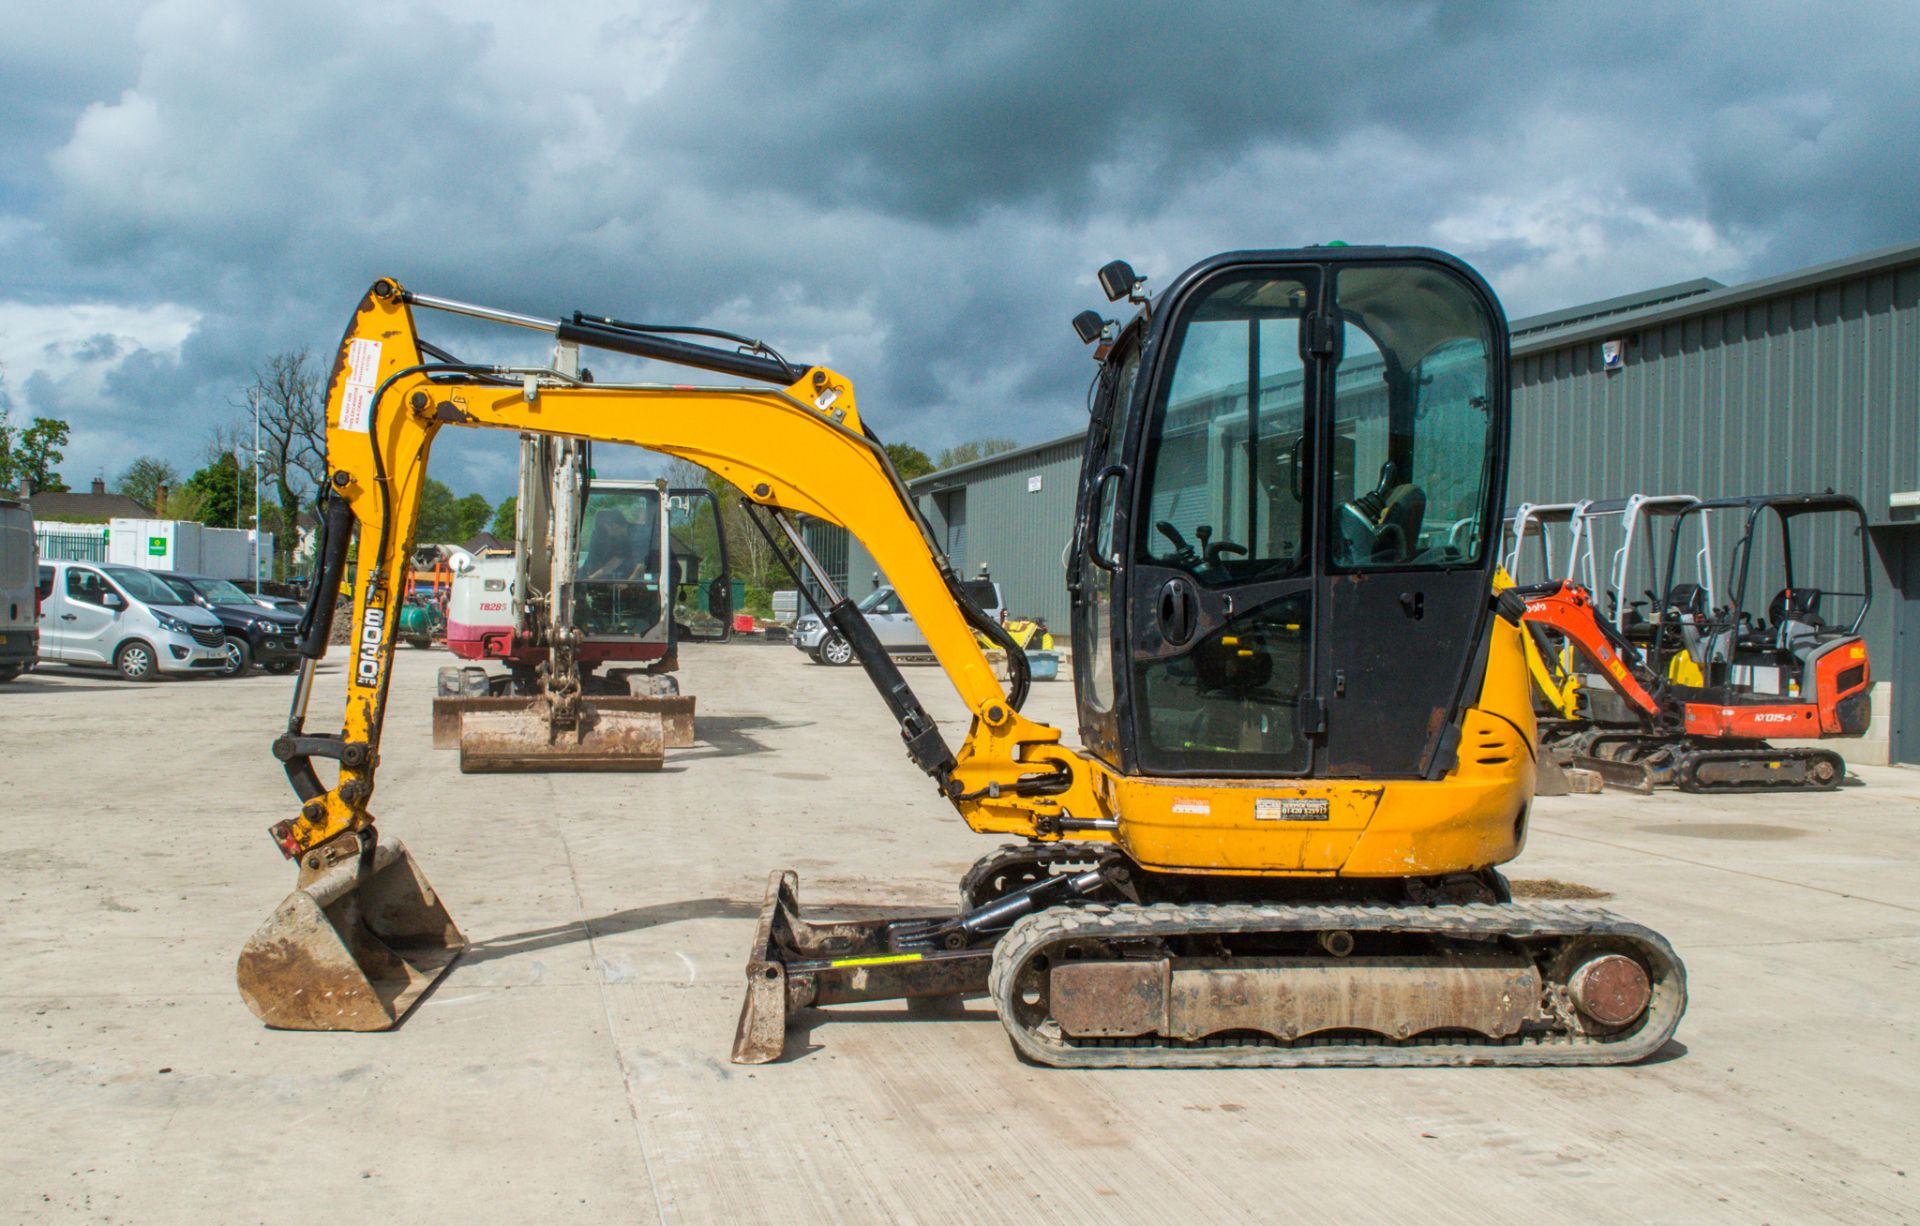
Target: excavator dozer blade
{"points": [[1627, 775], [675, 710], [353, 948], [611, 736], [796, 962]]}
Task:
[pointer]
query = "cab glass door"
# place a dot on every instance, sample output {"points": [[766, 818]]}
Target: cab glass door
{"points": [[1416, 408], [1220, 591]]}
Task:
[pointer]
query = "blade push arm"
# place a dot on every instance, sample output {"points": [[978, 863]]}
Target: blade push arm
{"points": [[797, 448]]}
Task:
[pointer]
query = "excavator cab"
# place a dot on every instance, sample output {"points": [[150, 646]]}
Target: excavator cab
{"points": [[1798, 583], [1290, 494]]}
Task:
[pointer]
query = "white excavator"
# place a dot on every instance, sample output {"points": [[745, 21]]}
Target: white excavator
{"points": [[606, 578]]}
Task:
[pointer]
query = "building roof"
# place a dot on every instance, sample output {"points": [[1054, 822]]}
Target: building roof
{"points": [[88, 506], [1608, 307], [484, 541], [945, 477], [1586, 325]]}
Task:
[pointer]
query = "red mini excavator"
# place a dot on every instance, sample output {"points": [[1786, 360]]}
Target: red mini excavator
{"points": [[1715, 684]]}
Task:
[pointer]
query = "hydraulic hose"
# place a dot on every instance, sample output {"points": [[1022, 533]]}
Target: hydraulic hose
{"points": [[336, 534]]}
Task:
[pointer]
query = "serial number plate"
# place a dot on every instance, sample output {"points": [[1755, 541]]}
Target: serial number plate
{"points": [[1295, 809]]}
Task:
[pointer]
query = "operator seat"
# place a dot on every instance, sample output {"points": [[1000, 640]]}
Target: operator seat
{"points": [[1687, 606], [1383, 525], [1795, 615]]}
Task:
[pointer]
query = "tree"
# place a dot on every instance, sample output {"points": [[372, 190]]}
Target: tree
{"points": [[29, 458], [187, 503], [145, 478], [752, 558], [471, 516], [909, 461], [286, 394], [505, 516], [974, 449], [216, 489], [445, 519]]}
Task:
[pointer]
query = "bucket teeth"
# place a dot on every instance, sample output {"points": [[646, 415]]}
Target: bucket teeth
{"points": [[353, 948]]}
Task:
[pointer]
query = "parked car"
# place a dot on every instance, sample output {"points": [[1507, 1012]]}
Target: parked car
{"points": [[19, 615], [285, 597], [119, 617], [255, 634], [891, 623]]}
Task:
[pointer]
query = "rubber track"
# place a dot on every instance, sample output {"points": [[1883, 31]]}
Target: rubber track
{"points": [[1473, 922], [1687, 770]]}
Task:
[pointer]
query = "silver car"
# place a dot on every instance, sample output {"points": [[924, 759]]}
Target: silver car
{"points": [[892, 624], [124, 618]]}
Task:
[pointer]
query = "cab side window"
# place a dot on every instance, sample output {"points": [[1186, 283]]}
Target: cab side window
{"points": [[46, 582], [888, 606], [86, 585]]}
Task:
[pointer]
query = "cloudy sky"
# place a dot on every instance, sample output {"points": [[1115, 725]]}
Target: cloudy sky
{"points": [[915, 194]]}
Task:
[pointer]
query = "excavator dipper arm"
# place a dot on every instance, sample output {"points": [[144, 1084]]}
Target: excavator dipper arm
{"points": [[1566, 609]]}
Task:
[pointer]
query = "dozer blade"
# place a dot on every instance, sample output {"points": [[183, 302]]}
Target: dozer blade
{"points": [[611, 736], [675, 711], [796, 962], [353, 948], [1632, 776]]}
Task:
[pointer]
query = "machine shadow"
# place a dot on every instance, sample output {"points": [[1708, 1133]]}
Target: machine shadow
{"points": [[804, 1022], [728, 736], [633, 919]]}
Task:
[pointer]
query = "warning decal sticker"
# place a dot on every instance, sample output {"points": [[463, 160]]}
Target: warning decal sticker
{"points": [[356, 398]]}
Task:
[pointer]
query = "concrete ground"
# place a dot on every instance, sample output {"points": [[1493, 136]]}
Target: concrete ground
{"points": [[574, 1064]]}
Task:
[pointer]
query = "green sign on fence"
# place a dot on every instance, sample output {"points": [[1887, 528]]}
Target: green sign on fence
{"points": [[156, 546]]}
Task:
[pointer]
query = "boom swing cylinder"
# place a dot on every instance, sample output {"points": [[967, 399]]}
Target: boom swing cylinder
{"points": [[1238, 751]]}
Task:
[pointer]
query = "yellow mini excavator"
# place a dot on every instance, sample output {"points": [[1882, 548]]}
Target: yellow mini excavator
{"points": [[1306, 740]]}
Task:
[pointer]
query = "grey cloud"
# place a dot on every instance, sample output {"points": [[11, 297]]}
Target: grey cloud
{"points": [[916, 194]]}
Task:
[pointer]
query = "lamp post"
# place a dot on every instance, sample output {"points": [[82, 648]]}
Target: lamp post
{"points": [[256, 495]]}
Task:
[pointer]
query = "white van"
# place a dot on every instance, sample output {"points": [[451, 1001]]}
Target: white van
{"points": [[127, 619], [19, 624]]}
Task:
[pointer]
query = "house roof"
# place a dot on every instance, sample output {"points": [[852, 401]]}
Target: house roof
{"points": [[88, 506]]}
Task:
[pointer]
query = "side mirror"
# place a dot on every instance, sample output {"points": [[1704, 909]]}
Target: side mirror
{"points": [[1088, 326], [1117, 280], [112, 600]]}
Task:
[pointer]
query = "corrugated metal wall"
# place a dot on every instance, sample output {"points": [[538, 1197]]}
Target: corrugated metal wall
{"points": [[1018, 519], [1805, 390]]}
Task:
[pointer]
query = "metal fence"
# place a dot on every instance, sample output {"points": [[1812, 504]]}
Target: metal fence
{"points": [[72, 546]]}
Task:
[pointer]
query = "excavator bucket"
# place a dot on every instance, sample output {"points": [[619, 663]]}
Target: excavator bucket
{"points": [[514, 734], [352, 948]]}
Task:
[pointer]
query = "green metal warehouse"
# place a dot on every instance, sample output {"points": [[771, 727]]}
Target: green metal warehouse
{"points": [[1802, 382]]}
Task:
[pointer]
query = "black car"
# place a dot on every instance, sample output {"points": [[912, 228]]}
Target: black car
{"points": [[255, 633]]}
